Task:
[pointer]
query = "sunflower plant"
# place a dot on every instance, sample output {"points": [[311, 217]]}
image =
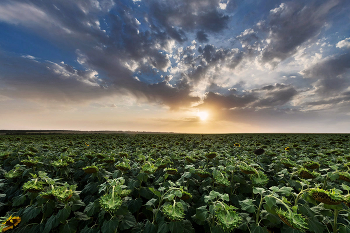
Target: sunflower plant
{"points": [[16, 172], [33, 185], [114, 190], [9, 223], [220, 214]]}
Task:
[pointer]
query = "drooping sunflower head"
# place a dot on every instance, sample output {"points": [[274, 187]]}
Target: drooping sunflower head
{"points": [[10, 223]]}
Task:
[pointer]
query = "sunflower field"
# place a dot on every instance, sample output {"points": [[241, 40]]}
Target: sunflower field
{"points": [[159, 183]]}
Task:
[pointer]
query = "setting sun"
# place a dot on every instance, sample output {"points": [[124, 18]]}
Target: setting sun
{"points": [[202, 115]]}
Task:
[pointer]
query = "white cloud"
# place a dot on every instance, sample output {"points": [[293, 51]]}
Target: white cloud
{"points": [[32, 58], [222, 6], [344, 43], [29, 16], [279, 9]]}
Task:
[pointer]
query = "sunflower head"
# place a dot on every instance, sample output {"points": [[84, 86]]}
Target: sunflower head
{"points": [[10, 223]]}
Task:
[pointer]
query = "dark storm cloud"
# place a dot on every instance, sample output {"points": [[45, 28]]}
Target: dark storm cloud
{"points": [[275, 95], [344, 97], [331, 74], [116, 43], [202, 36], [213, 55], [266, 97], [170, 96], [63, 83], [250, 41], [188, 15], [218, 101], [76, 25], [209, 57], [25, 78], [291, 24]]}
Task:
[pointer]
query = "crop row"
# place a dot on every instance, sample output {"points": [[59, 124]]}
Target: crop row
{"points": [[175, 183]]}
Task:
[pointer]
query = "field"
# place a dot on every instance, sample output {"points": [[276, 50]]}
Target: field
{"points": [[175, 183]]}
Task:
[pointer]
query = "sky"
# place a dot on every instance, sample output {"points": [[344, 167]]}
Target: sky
{"points": [[186, 66]]}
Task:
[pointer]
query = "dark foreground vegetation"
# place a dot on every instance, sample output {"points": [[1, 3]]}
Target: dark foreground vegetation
{"points": [[175, 183]]}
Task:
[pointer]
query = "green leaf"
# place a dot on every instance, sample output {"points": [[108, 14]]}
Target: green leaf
{"points": [[345, 187], [142, 177], [212, 196], [49, 207], [19, 200], [187, 226], [70, 227], [287, 229], [216, 229], [63, 214], [77, 204], [269, 210], [156, 192], [91, 187], [151, 202], [123, 210], [333, 207], [127, 221], [257, 229], [150, 228], [270, 201], [256, 190], [30, 213], [81, 216], [272, 219], [344, 229], [52, 222], [140, 228], [110, 226], [202, 213], [176, 227], [146, 193], [286, 190], [305, 210], [134, 205], [225, 197], [178, 193], [274, 189], [315, 226], [90, 230], [333, 176], [170, 197], [163, 227], [247, 205], [92, 208]]}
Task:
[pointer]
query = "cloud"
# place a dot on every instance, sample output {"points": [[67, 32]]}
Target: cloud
{"points": [[208, 61], [202, 36], [188, 15], [270, 96], [344, 97], [331, 74], [275, 95], [49, 81], [218, 101], [292, 24], [344, 43]]}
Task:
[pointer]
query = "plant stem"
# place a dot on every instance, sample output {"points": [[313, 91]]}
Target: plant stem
{"points": [[325, 183], [258, 212], [113, 194], [336, 212], [298, 196]]}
